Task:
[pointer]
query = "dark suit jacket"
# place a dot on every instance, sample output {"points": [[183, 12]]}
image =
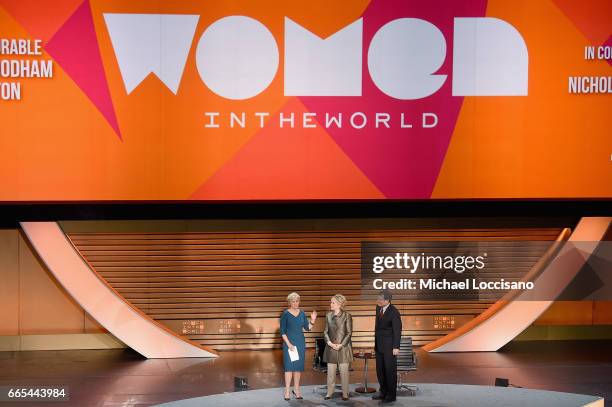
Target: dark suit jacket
{"points": [[387, 330]]}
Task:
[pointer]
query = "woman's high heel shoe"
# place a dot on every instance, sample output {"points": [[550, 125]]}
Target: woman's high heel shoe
{"points": [[296, 396], [287, 398]]}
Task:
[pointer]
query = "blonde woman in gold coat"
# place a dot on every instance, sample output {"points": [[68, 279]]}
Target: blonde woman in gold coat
{"points": [[338, 352]]}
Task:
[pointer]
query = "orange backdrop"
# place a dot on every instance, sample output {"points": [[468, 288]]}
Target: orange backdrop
{"points": [[57, 144]]}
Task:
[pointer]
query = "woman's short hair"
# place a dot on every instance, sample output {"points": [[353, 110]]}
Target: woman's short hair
{"points": [[340, 299], [293, 297]]}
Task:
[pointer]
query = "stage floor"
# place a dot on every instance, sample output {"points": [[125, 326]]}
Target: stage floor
{"points": [[123, 378]]}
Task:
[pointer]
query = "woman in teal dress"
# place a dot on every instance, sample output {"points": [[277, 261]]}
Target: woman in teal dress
{"points": [[293, 322]]}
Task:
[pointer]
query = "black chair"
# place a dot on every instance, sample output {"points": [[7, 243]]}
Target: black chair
{"points": [[406, 363], [318, 363]]}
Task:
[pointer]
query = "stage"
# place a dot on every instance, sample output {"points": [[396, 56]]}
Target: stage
{"points": [[113, 378], [175, 175]]}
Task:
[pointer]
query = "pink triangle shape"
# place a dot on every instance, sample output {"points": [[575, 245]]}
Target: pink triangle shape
{"points": [[75, 48]]}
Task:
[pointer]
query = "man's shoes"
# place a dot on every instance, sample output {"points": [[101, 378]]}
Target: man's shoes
{"points": [[388, 401], [378, 396]]}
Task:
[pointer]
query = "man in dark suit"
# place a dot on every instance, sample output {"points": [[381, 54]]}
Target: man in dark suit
{"points": [[387, 333]]}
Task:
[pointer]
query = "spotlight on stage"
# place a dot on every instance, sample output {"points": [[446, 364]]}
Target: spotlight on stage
{"points": [[240, 383], [501, 382]]}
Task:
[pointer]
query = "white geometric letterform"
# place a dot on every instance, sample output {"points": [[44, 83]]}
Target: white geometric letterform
{"points": [[323, 67], [490, 58], [151, 43]]}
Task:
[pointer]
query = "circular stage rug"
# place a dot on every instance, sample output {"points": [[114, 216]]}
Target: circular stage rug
{"points": [[427, 395]]}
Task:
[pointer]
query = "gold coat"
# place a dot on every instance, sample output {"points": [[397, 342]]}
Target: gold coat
{"points": [[338, 329]]}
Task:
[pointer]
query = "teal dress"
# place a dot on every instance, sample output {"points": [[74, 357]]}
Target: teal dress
{"points": [[293, 327]]}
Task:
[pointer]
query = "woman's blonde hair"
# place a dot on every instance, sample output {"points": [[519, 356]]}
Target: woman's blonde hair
{"points": [[293, 297], [340, 299]]}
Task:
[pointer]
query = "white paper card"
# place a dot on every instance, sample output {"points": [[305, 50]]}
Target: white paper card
{"points": [[294, 354]]}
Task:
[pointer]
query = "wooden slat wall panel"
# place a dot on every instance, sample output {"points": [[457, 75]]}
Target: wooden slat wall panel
{"points": [[213, 280]]}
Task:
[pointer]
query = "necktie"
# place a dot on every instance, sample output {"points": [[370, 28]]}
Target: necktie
{"points": [[381, 312]]}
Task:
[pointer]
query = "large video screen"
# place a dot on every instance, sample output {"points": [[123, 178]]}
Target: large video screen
{"points": [[281, 100]]}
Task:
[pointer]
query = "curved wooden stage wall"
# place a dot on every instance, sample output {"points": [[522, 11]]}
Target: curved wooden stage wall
{"points": [[226, 290]]}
